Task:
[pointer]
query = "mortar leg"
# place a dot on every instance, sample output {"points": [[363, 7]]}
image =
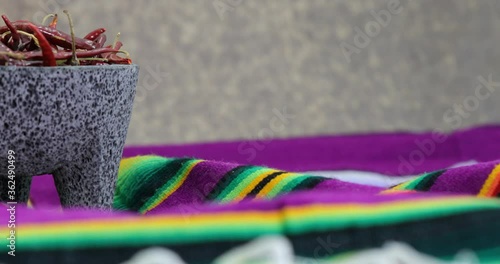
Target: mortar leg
{"points": [[89, 186]]}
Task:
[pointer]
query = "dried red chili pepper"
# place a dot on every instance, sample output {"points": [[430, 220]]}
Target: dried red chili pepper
{"points": [[61, 55], [3, 47], [99, 42], [53, 35], [23, 43], [13, 31], [48, 54], [94, 34]]}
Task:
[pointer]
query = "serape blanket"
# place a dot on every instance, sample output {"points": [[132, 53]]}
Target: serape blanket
{"points": [[213, 197]]}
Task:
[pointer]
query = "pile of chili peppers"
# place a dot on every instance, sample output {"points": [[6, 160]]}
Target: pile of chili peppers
{"points": [[23, 43]]}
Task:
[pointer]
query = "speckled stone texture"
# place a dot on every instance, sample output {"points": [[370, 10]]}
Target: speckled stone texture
{"points": [[70, 122], [204, 78]]}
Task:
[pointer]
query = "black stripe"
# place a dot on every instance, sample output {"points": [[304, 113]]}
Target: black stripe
{"points": [[308, 183], [442, 236], [472, 230], [427, 181], [162, 177], [225, 181], [263, 183]]}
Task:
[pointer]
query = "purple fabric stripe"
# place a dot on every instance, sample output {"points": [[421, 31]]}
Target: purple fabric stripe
{"points": [[480, 143], [43, 191], [387, 153], [43, 214], [464, 180], [202, 179], [340, 186], [46, 215]]}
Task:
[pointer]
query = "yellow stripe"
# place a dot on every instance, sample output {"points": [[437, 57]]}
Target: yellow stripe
{"points": [[127, 163], [283, 183], [238, 186], [403, 185], [252, 185], [151, 222], [488, 184], [253, 217], [272, 184], [365, 209], [175, 188], [395, 191]]}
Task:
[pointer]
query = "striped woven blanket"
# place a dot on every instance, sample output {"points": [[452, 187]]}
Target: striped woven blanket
{"points": [[211, 202]]}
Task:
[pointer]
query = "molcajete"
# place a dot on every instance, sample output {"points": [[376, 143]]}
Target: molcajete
{"points": [[70, 122]]}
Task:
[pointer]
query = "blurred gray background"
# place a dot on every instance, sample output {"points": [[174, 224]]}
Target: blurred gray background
{"points": [[225, 69]]}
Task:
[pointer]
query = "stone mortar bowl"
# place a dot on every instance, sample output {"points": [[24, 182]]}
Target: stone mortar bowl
{"points": [[70, 122]]}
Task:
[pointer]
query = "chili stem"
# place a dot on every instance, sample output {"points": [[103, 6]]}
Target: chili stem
{"points": [[47, 17], [74, 59]]}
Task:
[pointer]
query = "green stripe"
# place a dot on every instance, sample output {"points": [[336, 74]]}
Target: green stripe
{"points": [[428, 180], [169, 186], [238, 179], [291, 185], [244, 183], [157, 176], [410, 185], [128, 184], [285, 182], [320, 222], [309, 183], [145, 237], [225, 181]]}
